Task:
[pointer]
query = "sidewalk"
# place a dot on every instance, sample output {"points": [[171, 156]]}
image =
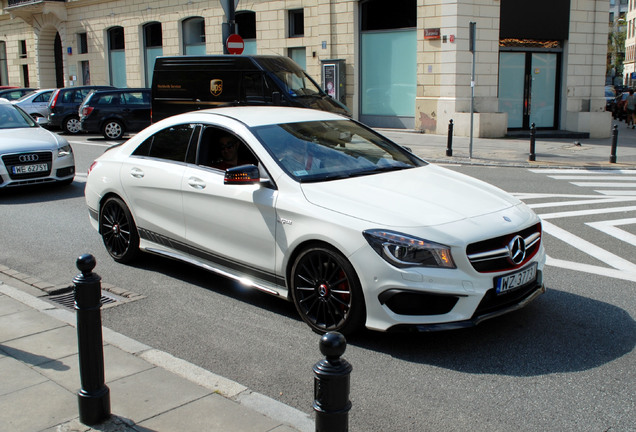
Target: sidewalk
{"points": [[549, 152], [150, 390]]}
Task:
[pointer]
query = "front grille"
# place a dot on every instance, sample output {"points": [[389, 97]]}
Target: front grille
{"points": [[14, 160], [404, 302], [493, 255], [493, 302]]}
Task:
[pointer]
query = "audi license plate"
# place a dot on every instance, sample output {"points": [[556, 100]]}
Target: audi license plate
{"points": [[26, 169], [516, 280]]}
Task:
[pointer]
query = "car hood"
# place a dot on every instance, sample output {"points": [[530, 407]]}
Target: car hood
{"points": [[425, 196], [28, 139]]}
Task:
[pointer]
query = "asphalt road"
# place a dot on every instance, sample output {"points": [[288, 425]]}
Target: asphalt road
{"points": [[566, 362]]}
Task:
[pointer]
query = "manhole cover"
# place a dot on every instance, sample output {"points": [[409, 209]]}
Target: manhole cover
{"points": [[68, 299]]}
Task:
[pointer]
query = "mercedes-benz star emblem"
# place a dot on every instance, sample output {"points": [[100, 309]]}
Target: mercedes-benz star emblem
{"points": [[517, 249]]}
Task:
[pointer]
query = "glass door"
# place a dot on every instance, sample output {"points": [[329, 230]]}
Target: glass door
{"points": [[528, 89]]}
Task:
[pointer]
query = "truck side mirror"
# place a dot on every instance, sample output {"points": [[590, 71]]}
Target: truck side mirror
{"points": [[276, 100]]}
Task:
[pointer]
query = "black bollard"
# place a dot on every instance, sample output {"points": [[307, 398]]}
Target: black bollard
{"points": [[449, 144], [533, 135], [331, 385], [614, 144], [94, 395]]}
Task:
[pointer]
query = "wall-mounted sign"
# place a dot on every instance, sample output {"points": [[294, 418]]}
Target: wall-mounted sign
{"points": [[432, 33]]}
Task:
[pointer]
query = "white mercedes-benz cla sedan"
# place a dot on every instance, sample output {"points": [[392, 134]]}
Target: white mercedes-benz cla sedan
{"points": [[320, 210]]}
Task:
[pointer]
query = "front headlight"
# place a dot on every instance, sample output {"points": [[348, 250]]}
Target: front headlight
{"points": [[402, 250], [64, 151]]}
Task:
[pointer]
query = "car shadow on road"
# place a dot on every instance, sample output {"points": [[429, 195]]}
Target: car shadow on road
{"points": [[41, 193], [559, 332]]}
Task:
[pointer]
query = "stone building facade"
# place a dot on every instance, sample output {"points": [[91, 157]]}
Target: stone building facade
{"points": [[406, 63]]}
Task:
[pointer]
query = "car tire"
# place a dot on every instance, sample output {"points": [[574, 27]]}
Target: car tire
{"points": [[71, 125], [326, 291], [113, 129], [118, 230]]}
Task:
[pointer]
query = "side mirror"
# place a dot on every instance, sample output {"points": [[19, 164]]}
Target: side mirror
{"points": [[243, 174], [276, 99]]}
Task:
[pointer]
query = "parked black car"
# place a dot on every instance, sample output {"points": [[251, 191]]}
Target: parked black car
{"points": [[115, 112], [64, 105]]}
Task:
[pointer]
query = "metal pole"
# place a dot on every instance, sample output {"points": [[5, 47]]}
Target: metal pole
{"points": [[614, 144], [331, 385], [472, 44], [449, 143], [533, 134], [94, 395]]}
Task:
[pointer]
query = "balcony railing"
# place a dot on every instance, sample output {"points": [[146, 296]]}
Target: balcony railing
{"points": [[25, 2]]}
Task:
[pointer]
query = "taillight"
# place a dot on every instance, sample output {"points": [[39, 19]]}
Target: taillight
{"points": [[86, 111], [90, 168], [54, 99]]}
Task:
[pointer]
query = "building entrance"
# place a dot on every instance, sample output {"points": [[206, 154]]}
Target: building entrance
{"points": [[528, 83]]}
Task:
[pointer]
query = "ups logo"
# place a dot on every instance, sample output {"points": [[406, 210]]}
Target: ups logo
{"points": [[216, 87]]}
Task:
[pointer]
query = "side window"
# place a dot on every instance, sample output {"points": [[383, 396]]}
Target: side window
{"points": [[221, 149], [106, 99], [170, 143], [68, 96], [43, 97], [132, 98], [254, 87]]}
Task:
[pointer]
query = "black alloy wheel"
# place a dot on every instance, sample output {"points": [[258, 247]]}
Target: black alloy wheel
{"points": [[327, 292], [118, 231]]}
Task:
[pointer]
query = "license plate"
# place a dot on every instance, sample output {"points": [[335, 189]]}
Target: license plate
{"points": [[516, 280], [26, 169]]}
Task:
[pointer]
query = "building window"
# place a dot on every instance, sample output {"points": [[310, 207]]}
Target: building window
{"points": [[22, 48], [299, 55], [194, 36], [25, 76], [82, 43], [296, 23], [4, 72], [117, 57], [153, 48], [86, 72], [246, 28]]}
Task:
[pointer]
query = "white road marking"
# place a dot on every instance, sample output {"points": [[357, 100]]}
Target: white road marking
{"points": [[609, 227]]}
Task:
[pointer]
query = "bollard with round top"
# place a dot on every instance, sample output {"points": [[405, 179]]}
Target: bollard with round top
{"points": [[449, 141], [331, 385], [612, 158], [94, 395], [533, 134]]}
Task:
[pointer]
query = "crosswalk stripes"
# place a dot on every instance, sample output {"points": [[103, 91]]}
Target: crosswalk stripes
{"points": [[615, 191]]}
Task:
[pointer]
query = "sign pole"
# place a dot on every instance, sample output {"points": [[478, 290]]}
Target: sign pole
{"points": [[472, 87]]}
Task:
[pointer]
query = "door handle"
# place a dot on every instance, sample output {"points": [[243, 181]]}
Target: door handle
{"points": [[196, 183], [137, 173]]}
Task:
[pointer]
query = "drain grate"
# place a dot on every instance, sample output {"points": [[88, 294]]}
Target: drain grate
{"points": [[68, 299]]}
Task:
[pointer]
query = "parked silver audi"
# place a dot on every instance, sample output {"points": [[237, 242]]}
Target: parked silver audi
{"points": [[30, 154]]}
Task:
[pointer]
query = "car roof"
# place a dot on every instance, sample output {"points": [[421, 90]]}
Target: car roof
{"points": [[262, 115]]}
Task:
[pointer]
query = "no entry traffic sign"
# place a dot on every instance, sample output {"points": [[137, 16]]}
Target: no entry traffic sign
{"points": [[235, 44]]}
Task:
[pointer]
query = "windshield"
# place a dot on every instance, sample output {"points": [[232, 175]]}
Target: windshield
{"points": [[329, 150], [12, 117], [298, 83]]}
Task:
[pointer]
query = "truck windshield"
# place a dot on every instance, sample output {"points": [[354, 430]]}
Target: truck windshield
{"points": [[297, 83], [292, 78]]}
